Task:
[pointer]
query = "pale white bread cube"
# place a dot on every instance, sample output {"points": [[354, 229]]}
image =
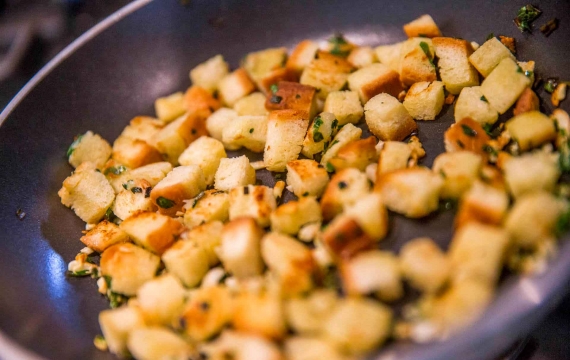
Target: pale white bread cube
{"points": [[129, 267], [259, 64], [345, 105], [161, 300], [89, 147], [357, 154], [155, 342], [411, 192], [207, 312], [242, 346], [322, 129], [455, 70], [240, 251], [358, 325], [103, 235], [424, 100], [235, 86], [346, 135], [301, 56], [472, 104], [531, 129], [209, 73], [209, 237], [206, 153], [306, 177], [286, 130], [504, 85], [343, 238], [259, 314], [134, 153], [362, 56], [252, 201], [152, 231], [373, 272], [424, 265], [248, 131], [306, 315], [388, 119], [371, 214], [489, 55], [310, 348], [253, 104], [143, 128], [175, 137], [170, 107], [290, 217], [87, 192], [211, 205], [117, 324], [344, 189], [532, 219], [290, 260], [482, 203], [459, 169], [188, 261], [151, 173], [476, 253], [327, 73], [131, 201], [423, 26], [182, 183], [389, 55], [374, 79], [531, 172], [293, 96], [393, 156], [234, 172], [416, 61], [219, 120]]}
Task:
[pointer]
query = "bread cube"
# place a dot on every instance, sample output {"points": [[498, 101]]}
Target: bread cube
{"points": [[103, 235], [143, 128], [161, 300], [240, 249], [528, 101], [416, 61], [347, 134], [424, 100], [345, 188], [151, 173], [310, 348], [290, 217], [320, 132], [393, 156], [234, 86], [466, 135], [89, 147], [275, 77], [358, 325], [206, 153], [301, 56], [388, 119], [293, 96], [211, 205], [411, 192], [182, 183], [247, 131], [370, 214], [489, 55], [472, 104], [188, 261], [531, 172], [504, 85], [170, 107], [207, 312], [374, 79], [152, 231], [87, 192], [362, 56], [357, 154], [260, 63], [153, 342], [455, 70], [253, 201], [459, 170], [209, 73], [128, 266], [482, 203], [242, 347], [345, 105], [133, 200], [219, 120], [134, 153], [424, 265], [343, 238], [286, 130], [234, 172], [117, 324], [326, 73], [306, 177], [389, 55], [307, 314], [531, 129], [253, 104], [259, 314], [198, 100], [424, 26], [209, 237], [175, 137]]}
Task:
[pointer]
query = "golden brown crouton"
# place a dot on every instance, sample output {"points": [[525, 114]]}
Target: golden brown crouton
{"points": [[531, 129], [207, 312], [326, 73], [454, 67], [170, 107], [89, 147], [301, 56], [188, 261], [261, 64], [393, 156], [466, 134], [306, 177], [362, 56], [290, 217], [416, 61], [388, 119], [286, 130], [253, 104], [259, 314], [459, 169], [103, 235], [161, 300], [209, 73], [152, 231], [345, 238], [175, 137], [322, 129], [357, 154], [143, 128], [423, 26], [389, 55], [424, 100], [345, 188], [208, 206], [424, 265], [240, 249], [233, 172], [345, 105], [235, 86], [200, 101], [482, 203], [504, 85], [472, 104], [489, 55], [370, 214], [252, 201], [294, 96], [117, 324], [182, 183], [134, 153], [374, 79], [346, 135]]}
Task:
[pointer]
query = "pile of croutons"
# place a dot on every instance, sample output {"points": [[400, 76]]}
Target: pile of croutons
{"points": [[200, 260]]}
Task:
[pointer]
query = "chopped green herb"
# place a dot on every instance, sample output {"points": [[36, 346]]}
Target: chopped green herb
{"points": [[317, 123], [520, 70], [490, 150], [338, 39], [116, 170], [563, 223], [423, 35], [198, 198], [526, 15], [483, 98], [329, 167], [74, 144], [246, 190], [564, 158], [109, 215], [306, 193], [79, 273], [339, 45], [125, 186], [468, 131], [136, 190], [279, 176], [551, 84], [164, 202], [147, 192], [549, 27], [297, 96], [529, 73], [330, 279], [338, 52], [425, 48], [251, 131], [108, 280], [274, 88], [460, 144], [342, 185], [116, 300], [442, 173], [490, 36], [275, 99], [317, 136], [334, 124]]}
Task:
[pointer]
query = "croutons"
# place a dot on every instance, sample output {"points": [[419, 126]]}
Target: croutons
{"points": [[472, 104], [211, 205], [389, 55], [424, 100], [489, 55], [117, 324], [248, 131], [362, 56], [387, 118], [531, 129], [344, 238], [416, 62], [209, 73], [173, 139], [482, 203], [424, 26], [306, 177], [528, 101], [188, 261], [326, 73], [357, 154], [393, 156], [260, 64], [170, 107], [151, 173], [206, 153], [504, 85], [253, 104], [143, 128], [285, 133], [459, 170], [254, 201], [219, 120], [198, 100], [240, 249], [374, 79], [152, 231], [454, 67], [424, 265], [307, 314], [89, 147], [370, 214], [345, 105], [290, 217], [242, 347], [235, 86], [344, 189], [103, 235], [293, 96], [132, 200], [349, 133], [209, 237], [149, 343], [301, 56], [466, 134], [320, 132], [134, 153], [161, 300], [207, 312], [182, 183], [259, 314], [531, 172], [234, 172]]}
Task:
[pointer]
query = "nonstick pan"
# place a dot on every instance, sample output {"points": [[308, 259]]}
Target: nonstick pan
{"points": [[117, 70]]}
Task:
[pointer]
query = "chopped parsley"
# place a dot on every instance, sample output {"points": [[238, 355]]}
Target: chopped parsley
{"points": [[334, 124], [318, 136], [111, 217], [340, 47], [329, 167], [136, 190], [490, 150], [147, 191], [164, 202], [483, 98], [442, 173], [79, 273], [525, 16], [116, 300], [468, 131], [275, 99], [306, 193], [529, 73], [118, 170], [297, 96], [563, 223], [425, 47], [460, 144], [564, 158], [490, 36], [549, 27], [274, 88], [519, 69], [551, 84], [342, 185], [251, 131], [74, 145]]}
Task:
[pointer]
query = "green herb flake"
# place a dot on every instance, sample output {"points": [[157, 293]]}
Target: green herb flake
{"points": [[483, 98], [490, 36], [468, 131], [251, 131], [550, 85], [125, 186], [116, 300], [318, 136], [529, 73], [74, 145], [564, 158], [274, 88], [109, 215], [490, 150], [275, 99], [164, 202], [329, 167], [563, 223], [339, 45], [79, 273], [342, 185], [306, 193], [136, 190], [442, 173], [334, 124], [317, 123], [425, 48], [118, 170], [525, 16]]}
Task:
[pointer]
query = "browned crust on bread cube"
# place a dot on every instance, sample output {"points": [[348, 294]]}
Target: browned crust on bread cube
{"points": [[528, 101], [467, 134], [134, 153], [299, 57], [357, 154], [424, 26], [104, 235], [240, 77], [152, 231], [276, 76], [345, 238], [199, 100], [294, 96], [326, 61], [193, 127]]}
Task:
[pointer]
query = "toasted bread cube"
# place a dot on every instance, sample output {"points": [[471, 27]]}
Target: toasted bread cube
{"points": [[103, 235], [307, 314], [310, 348], [489, 55], [343, 238], [143, 128], [293, 96], [531, 172], [320, 132], [254, 201], [416, 61], [219, 120], [161, 300], [188, 261], [424, 100], [211, 205], [248, 131], [482, 203], [153, 342], [374, 79], [209, 237], [182, 183], [128, 202], [412, 192], [472, 104], [388, 119], [259, 314], [466, 134], [306, 177], [371, 215], [260, 63], [454, 67], [423, 26], [326, 73], [345, 105], [117, 324], [275, 77], [504, 85], [175, 137], [240, 249], [89, 147], [234, 172], [290, 217], [198, 100], [389, 55], [393, 156], [209, 73], [286, 130], [424, 265], [170, 107], [290, 260], [151, 173], [344, 189], [129, 267], [242, 347], [528, 101], [357, 154], [87, 192], [134, 153], [531, 129], [152, 231], [235, 86], [358, 325], [207, 312], [253, 104], [301, 56], [348, 134], [362, 56], [206, 153], [459, 170]]}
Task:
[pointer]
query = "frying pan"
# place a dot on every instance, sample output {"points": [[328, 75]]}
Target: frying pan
{"points": [[116, 70]]}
